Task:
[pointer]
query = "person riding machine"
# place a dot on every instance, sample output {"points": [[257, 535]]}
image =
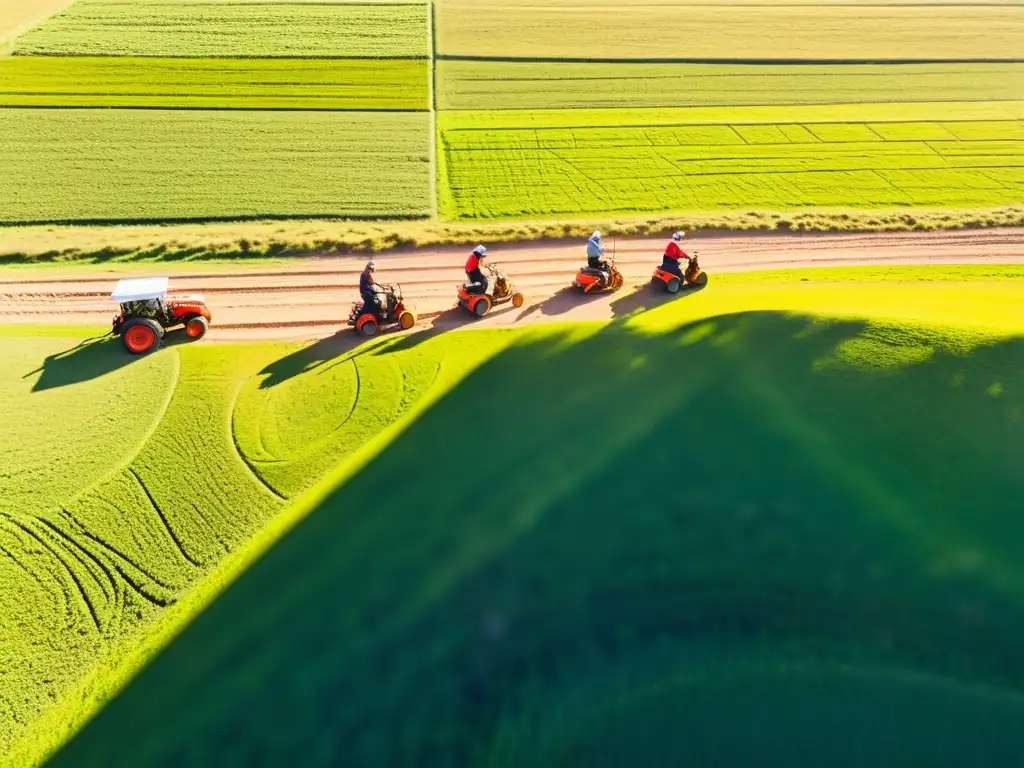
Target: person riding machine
{"points": [[598, 275], [670, 275], [381, 305], [478, 294]]}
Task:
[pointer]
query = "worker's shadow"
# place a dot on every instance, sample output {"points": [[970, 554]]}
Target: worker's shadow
{"points": [[563, 301], [325, 352], [651, 295], [87, 360]]}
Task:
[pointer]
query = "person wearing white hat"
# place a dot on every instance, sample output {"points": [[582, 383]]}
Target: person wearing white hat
{"points": [[673, 253], [595, 250], [476, 282]]}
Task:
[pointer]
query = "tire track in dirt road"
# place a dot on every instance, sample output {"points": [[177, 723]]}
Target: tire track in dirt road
{"points": [[310, 297]]}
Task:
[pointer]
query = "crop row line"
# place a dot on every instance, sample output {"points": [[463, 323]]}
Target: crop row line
{"points": [[716, 60]]}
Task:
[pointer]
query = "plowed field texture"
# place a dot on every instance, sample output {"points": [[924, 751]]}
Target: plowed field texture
{"points": [[217, 110], [571, 108], [559, 109], [814, 528]]}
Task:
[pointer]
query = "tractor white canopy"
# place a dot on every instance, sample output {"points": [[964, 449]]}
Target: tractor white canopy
{"points": [[140, 289]]}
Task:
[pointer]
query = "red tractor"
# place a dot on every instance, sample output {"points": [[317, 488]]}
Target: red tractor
{"points": [[147, 313]]}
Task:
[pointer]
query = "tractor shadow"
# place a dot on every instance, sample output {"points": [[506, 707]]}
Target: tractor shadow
{"points": [[566, 300], [650, 296], [325, 352], [89, 359]]}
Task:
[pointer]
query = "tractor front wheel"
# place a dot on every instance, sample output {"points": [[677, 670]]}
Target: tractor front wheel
{"points": [[141, 336], [517, 300], [196, 328]]}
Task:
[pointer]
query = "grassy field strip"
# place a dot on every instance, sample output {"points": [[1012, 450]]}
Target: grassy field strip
{"points": [[490, 85], [525, 29], [350, 30], [752, 574], [155, 164], [316, 84], [913, 112], [694, 168]]}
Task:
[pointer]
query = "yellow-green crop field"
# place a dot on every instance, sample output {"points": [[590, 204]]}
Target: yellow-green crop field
{"points": [[517, 85], [185, 164], [532, 110], [218, 110], [625, 165], [169, 83], [640, 30], [353, 30]]}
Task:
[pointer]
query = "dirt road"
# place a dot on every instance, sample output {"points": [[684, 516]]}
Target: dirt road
{"points": [[311, 297]]}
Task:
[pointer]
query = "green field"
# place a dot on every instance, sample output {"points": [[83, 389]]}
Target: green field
{"points": [[507, 165], [153, 164], [124, 483], [638, 30], [124, 81], [581, 590], [491, 85], [354, 30]]}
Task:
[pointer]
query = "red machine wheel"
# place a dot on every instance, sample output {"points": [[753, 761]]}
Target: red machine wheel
{"points": [[672, 286], [517, 300], [482, 306], [367, 326], [140, 336], [406, 320], [196, 328]]}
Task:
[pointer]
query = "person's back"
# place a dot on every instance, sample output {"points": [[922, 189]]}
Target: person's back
{"points": [[673, 253], [595, 248]]}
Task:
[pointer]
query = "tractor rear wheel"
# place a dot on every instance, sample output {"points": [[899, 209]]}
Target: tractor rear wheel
{"points": [[482, 306], [196, 328], [672, 286], [406, 320], [141, 336], [369, 328]]}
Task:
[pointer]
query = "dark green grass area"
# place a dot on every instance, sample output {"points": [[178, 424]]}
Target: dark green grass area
{"points": [[761, 539]]}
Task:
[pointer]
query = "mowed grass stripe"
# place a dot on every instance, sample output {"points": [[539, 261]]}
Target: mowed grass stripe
{"points": [[137, 165], [520, 85], [630, 169], [523, 28], [987, 111], [349, 30], [385, 84]]}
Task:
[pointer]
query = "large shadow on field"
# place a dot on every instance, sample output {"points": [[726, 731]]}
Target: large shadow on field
{"points": [[758, 539], [89, 359]]}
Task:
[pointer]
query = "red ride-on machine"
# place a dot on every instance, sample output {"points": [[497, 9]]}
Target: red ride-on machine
{"points": [[693, 275], [393, 312], [147, 313], [502, 291]]}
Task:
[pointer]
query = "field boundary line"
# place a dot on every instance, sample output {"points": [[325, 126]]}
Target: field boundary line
{"points": [[432, 102], [752, 62]]}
